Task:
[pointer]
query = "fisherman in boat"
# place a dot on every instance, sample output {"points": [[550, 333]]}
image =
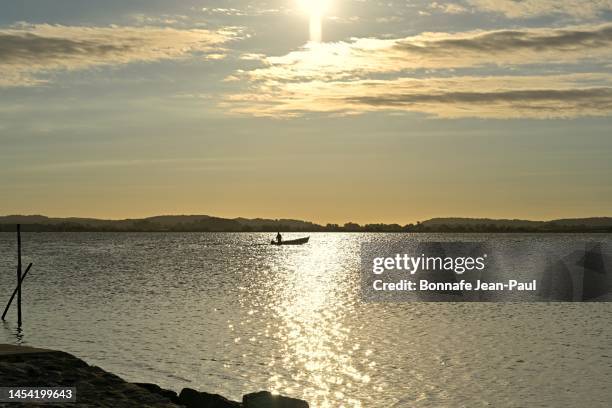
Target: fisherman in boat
{"points": [[279, 237]]}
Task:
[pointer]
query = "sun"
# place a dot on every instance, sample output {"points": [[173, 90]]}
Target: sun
{"points": [[315, 9]]}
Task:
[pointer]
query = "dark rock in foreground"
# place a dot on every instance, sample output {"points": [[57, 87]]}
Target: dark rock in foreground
{"points": [[264, 399], [27, 366], [156, 389], [195, 399]]}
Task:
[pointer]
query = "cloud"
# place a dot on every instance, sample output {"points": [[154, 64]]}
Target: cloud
{"points": [[504, 103], [162, 20], [366, 56], [225, 11], [501, 97], [178, 163], [249, 10], [440, 74], [448, 8], [536, 8], [27, 52]]}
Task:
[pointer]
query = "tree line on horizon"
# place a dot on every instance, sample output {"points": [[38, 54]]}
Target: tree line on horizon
{"points": [[151, 226]]}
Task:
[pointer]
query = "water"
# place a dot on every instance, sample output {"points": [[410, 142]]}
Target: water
{"points": [[229, 314]]}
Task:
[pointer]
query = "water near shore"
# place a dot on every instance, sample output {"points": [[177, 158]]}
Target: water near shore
{"points": [[230, 314]]}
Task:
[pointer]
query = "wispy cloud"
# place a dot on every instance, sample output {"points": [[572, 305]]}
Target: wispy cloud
{"points": [[448, 8], [560, 96], [365, 56], [378, 74], [186, 163], [27, 51], [164, 20], [536, 8], [249, 10]]}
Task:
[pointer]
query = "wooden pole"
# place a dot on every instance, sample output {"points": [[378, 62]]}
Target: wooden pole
{"points": [[8, 305], [18, 275]]}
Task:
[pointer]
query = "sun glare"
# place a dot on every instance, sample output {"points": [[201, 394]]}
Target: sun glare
{"points": [[315, 9]]}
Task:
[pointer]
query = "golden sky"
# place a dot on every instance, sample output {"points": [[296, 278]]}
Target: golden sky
{"points": [[330, 111]]}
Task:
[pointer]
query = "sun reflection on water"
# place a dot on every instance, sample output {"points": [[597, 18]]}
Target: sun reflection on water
{"points": [[317, 347]]}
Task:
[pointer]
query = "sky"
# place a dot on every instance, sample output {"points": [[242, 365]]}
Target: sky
{"points": [[329, 111]]}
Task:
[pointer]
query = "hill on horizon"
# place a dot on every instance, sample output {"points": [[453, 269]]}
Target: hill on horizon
{"points": [[518, 223], [205, 223], [154, 223]]}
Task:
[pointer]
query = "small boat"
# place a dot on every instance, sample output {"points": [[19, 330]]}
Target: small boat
{"points": [[299, 241]]}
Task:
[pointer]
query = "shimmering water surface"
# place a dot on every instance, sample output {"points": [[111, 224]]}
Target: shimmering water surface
{"points": [[230, 314]]}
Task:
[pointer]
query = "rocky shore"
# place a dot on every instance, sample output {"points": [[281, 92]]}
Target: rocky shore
{"points": [[25, 366]]}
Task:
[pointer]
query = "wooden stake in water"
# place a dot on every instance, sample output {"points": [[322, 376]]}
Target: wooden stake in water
{"points": [[8, 305], [20, 278], [18, 275]]}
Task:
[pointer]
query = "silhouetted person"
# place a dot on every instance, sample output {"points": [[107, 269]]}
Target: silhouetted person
{"points": [[279, 237]]}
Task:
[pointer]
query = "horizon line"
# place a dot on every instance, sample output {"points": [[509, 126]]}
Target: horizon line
{"points": [[306, 220]]}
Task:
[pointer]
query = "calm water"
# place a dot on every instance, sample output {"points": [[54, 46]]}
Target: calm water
{"points": [[226, 313]]}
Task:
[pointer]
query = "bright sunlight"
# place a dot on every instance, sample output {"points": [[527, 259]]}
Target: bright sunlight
{"points": [[315, 9]]}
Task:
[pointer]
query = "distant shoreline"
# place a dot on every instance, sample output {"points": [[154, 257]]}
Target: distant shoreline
{"points": [[607, 232], [205, 223], [26, 228]]}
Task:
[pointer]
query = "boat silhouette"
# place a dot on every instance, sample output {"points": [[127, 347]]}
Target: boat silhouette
{"points": [[299, 241]]}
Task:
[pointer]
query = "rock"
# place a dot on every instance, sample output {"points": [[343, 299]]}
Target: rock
{"points": [[195, 399], [156, 389], [264, 399]]}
